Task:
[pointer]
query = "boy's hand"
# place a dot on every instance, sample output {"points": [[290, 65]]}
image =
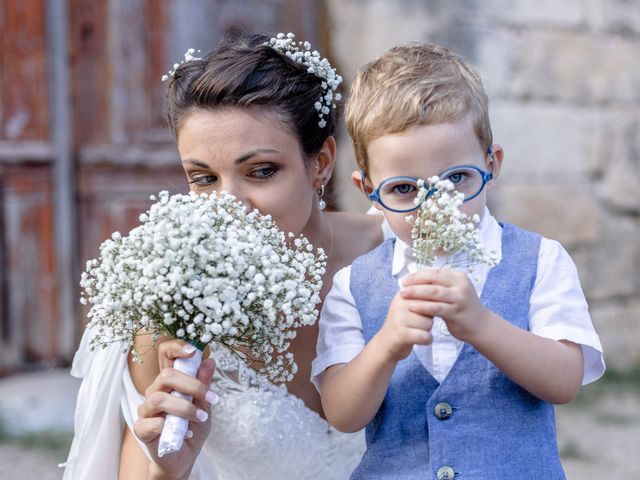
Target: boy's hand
{"points": [[404, 327], [449, 295]]}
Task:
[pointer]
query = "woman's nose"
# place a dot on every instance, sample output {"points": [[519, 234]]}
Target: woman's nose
{"points": [[238, 192]]}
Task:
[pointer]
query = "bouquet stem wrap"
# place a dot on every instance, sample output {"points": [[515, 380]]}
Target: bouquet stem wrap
{"points": [[175, 428]]}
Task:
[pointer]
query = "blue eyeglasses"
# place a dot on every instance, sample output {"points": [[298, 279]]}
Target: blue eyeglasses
{"points": [[398, 194]]}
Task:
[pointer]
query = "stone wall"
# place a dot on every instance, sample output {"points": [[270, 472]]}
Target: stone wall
{"points": [[563, 80]]}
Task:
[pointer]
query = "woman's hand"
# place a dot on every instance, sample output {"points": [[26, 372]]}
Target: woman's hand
{"points": [[159, 402]]}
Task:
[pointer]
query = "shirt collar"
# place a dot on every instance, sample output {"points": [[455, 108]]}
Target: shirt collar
{"points": [[490, 233]]}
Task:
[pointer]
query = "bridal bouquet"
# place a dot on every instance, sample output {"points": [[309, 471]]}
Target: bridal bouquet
{"points": [[202, 269], [441, 227]]}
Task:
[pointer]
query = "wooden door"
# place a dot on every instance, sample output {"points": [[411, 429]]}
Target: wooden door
{"points": [[83, 143]]}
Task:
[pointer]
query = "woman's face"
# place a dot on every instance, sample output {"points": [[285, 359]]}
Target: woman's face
{"points": [[253, 156]]}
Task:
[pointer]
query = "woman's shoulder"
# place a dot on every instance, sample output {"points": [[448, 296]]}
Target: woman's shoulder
{"points": [[356, 233]]}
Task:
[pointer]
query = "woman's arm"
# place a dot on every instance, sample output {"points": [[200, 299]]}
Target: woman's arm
{"points": [[158, 402]]}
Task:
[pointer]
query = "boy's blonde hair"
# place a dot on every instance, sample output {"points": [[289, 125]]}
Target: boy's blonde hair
{"points": [[414, 84]]}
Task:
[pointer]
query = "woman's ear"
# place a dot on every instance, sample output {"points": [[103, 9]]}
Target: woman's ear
{"points": [[325, 162], [494, 161]]}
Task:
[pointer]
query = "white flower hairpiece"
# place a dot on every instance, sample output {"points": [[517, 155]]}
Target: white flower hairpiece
{"points": [[188, 57], [301, 52]]}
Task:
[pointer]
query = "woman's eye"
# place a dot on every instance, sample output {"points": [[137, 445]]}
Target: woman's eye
{"points": [[204, 180], [404, 188], [263, 172]]}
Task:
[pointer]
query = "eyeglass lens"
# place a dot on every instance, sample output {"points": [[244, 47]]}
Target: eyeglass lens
{"points": [[400, 193]]}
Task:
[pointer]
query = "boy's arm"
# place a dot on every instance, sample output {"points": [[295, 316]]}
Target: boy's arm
{"points": [[549, 369], [353, 392]]}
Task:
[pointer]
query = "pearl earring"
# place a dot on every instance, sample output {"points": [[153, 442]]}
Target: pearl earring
{"points": [[321, 203]]}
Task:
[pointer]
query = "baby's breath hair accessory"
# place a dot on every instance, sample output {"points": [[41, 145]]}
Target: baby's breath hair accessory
{"points": [[301, 52], [188, 57]]}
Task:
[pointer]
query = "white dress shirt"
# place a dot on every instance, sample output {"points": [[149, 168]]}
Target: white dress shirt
{"points": [[557, 310]]}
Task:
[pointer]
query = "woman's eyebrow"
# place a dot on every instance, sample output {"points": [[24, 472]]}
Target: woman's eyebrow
{"points": [[252, 153], [197, 163], [241, 159]]}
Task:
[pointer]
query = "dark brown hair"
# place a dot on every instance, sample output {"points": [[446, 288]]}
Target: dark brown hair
{"points": [[241, 71]]}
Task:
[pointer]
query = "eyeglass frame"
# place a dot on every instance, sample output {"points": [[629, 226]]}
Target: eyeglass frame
{"points": [[374, 196]]}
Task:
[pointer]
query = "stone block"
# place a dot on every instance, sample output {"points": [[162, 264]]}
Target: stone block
{"points": [[542, 138], [618, 324], [362, 29], [568, 212], [622, 17], [572, 67], [547, 13], [620, 186], [610, 266]]}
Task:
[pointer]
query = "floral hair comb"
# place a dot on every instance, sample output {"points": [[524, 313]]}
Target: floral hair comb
{"points": [[188, 56], [301, 52]]}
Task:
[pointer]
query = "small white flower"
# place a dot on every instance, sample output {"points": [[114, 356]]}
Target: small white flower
{"points": [[188, 57]]}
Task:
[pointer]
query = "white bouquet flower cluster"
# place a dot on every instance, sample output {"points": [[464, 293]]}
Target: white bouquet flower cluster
{"points": [[440, 227], [202, 269]]}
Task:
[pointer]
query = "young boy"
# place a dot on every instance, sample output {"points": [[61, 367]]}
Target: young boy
{"points": [[451, 375]]}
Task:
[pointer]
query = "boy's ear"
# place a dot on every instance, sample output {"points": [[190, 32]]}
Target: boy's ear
{"points": [[494, 161], [324, 163], [356, 178]]}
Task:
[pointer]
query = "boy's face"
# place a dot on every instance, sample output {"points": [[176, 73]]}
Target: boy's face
{"points": [[423, 151]]}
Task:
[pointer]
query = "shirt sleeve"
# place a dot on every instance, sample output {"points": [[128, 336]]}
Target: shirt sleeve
{"points": [[559, 310], [340, 337]]}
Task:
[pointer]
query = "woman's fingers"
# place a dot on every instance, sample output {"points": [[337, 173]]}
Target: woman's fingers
{"points": [[161, 403], [170, 350], [171, 379], [148, 429]]}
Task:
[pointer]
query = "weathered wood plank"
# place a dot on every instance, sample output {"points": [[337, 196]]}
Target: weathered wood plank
{"points": [[23, 76]]}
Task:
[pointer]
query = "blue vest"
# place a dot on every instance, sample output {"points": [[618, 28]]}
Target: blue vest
{"points": [[477, 424]]}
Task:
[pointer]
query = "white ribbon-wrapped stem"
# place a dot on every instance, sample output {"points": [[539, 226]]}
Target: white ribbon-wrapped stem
{"points": [[175, 428]]}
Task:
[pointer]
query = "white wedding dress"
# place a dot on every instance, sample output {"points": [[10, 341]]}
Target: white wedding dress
{"points": [[258, 429]]}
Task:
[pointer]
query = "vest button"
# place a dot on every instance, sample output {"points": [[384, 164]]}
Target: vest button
{"points": [[443, 411], [445, 473]]}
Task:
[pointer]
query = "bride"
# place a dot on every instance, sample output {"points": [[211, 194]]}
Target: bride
{"points": [[255, 118]]}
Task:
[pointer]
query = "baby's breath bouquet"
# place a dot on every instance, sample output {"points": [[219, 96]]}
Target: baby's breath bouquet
{"points": [[202, 269], [440, 227]]}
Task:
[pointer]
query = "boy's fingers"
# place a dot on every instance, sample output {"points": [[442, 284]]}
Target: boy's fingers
{"points": [[419, 320], [440, 276], [417, 336], [426, 292]]}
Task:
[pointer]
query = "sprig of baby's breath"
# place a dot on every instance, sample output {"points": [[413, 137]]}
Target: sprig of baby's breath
{"points": [[440, 227]]}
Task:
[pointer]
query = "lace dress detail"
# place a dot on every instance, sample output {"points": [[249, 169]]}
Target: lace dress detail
{"points": [[259, 430]]}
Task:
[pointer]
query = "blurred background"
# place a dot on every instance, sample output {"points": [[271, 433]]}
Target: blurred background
{"points": [[83, 144]]}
